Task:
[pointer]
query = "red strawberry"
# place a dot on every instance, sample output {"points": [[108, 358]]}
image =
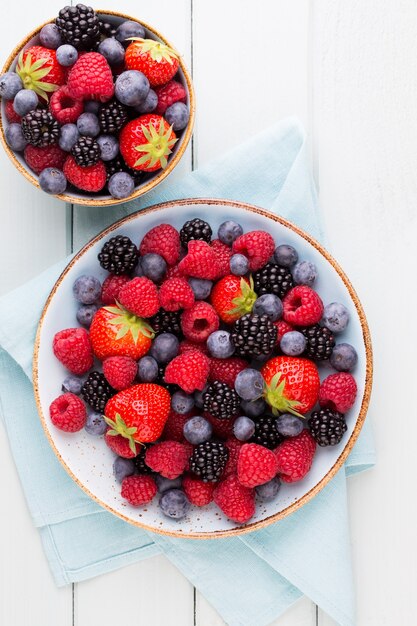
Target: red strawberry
{"points": [[40, 158], [223, 255], [156, 60], [168, 458], [115, 332], [121, 446], [200, 261], [295, 456], [221, 428], [120, 371], [64, 108], [256, 465], [233, 297], [164, 240], [138, 490], [234, 446], [168, 94], [176, 294], [68, 413], [39, 70], [302, 306], [174, 426], [138, 413], [338, 391], [91, 178], [199, 321], [147, 142], [226, 370], [72, 348], [188, 370], [282, 328], [257, 245], [91, 78], [11, 114], [111, 288], [140, 296], [292, 384], [236, 501], [198, 492]]}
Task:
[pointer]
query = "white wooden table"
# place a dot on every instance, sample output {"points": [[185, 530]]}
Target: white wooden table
{"points": [[348, 70]]}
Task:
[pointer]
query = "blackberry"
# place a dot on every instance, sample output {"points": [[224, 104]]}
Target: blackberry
{"points": [[96, 391], [139, 462], [266, 433], [79, 26], [254, 335], [107, 29], [209, 460], [112, 116], [195, 229], [221, 401], [86, 151], [167, 322], [119, 255], [40, 128], [273, 279], [320, 342], [118, 165], [327, 427]]}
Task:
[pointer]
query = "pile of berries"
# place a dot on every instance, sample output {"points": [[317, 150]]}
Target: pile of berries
{"points": [[93, 106], [208, 387]]}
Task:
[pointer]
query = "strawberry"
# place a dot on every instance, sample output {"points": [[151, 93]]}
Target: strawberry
{"points": [[168, 458], [120, 371], [198, 492], [257, 245], [91, 178], [226, 370], [156, 60], [11, 114], [68, 413], [236, 501], [138, 490], [292, 384], [302, 306], [176, 294], [168, 94], [294, 457], [64, 108], [111, 288], [199, 321], [72, 348], [164, 240], [114, 331], [138, 413], [200, 261], [223, 255], [121, 446], [40, 158], [39, 70], [188, 370], [90, 78], [233, 297], [338, 391], [140, 297], [147, 142], [256, 465]]}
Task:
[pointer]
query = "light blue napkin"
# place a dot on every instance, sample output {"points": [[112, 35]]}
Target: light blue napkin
{"points": [[249, 580]]}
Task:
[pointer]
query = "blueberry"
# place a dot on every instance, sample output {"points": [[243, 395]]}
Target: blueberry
{"points": [[88, 125], [129, 29], [112, 50], [121, 185], [85, 314], [289, 425], [149, 104], [174, 503], [148, 369], [344, 357], [293, 343], [122, 468], [177, 115], [109, 147], [72, 384], [249, 384], [239, 264], [25, 100], [86, 289], [220, 344], [165, 347], [66, 55], [335, 317], [50, 37], [153, 266], [268, 491], [201, 287], [91, 106], [253, 408], [197, 430], [10, 85], [199, 397], [270, 305], [285, 255], [52, 180], [164, 484], [15, 138], [95, 424], [181, 402], [229, 231], [68, 137], [243, 428], [305, 273], [131, 87]]}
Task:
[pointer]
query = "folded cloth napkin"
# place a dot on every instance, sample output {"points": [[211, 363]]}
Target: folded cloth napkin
{"points": [[250, 579]]}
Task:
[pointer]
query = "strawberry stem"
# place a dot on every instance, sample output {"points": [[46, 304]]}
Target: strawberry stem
{"points": [[274, 395]]}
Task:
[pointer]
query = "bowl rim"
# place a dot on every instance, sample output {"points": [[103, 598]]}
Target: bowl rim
{"points": [[291, 508], [172, 163]]}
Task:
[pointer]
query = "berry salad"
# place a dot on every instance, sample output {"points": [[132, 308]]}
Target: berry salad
{"points": [[202, 362], [94, 107]]}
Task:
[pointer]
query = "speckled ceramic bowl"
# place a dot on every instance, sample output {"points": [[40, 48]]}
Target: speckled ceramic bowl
{"points": [[89, 461], [103, 198]]}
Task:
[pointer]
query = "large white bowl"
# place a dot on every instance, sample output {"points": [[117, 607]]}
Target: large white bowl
{"points": [[89, 461]]}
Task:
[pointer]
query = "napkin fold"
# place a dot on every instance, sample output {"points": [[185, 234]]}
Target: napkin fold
{"points": [[250, 579]]}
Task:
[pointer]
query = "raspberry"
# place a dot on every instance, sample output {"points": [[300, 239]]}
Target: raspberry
{"points": [[120, 371], [223, 255], [282, 328], [256, 465], [294, 457], [173, 271], [68, 413], [168, 94], [111, 288], [11, 114], [199, 322], [121, 446], [64, 108], [140, 296], [338, 391], [234, 446], [226, 370], [188, 370], [91, 178], [176, 294], [198, 492], [235, 500], [257, 245], [200, 261], [186, 346], [164, 240], [302, 306], [174, 426], [91, 78], [72, 348], [138, 490], [222, 428], [168, 458], [48, 156]]}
